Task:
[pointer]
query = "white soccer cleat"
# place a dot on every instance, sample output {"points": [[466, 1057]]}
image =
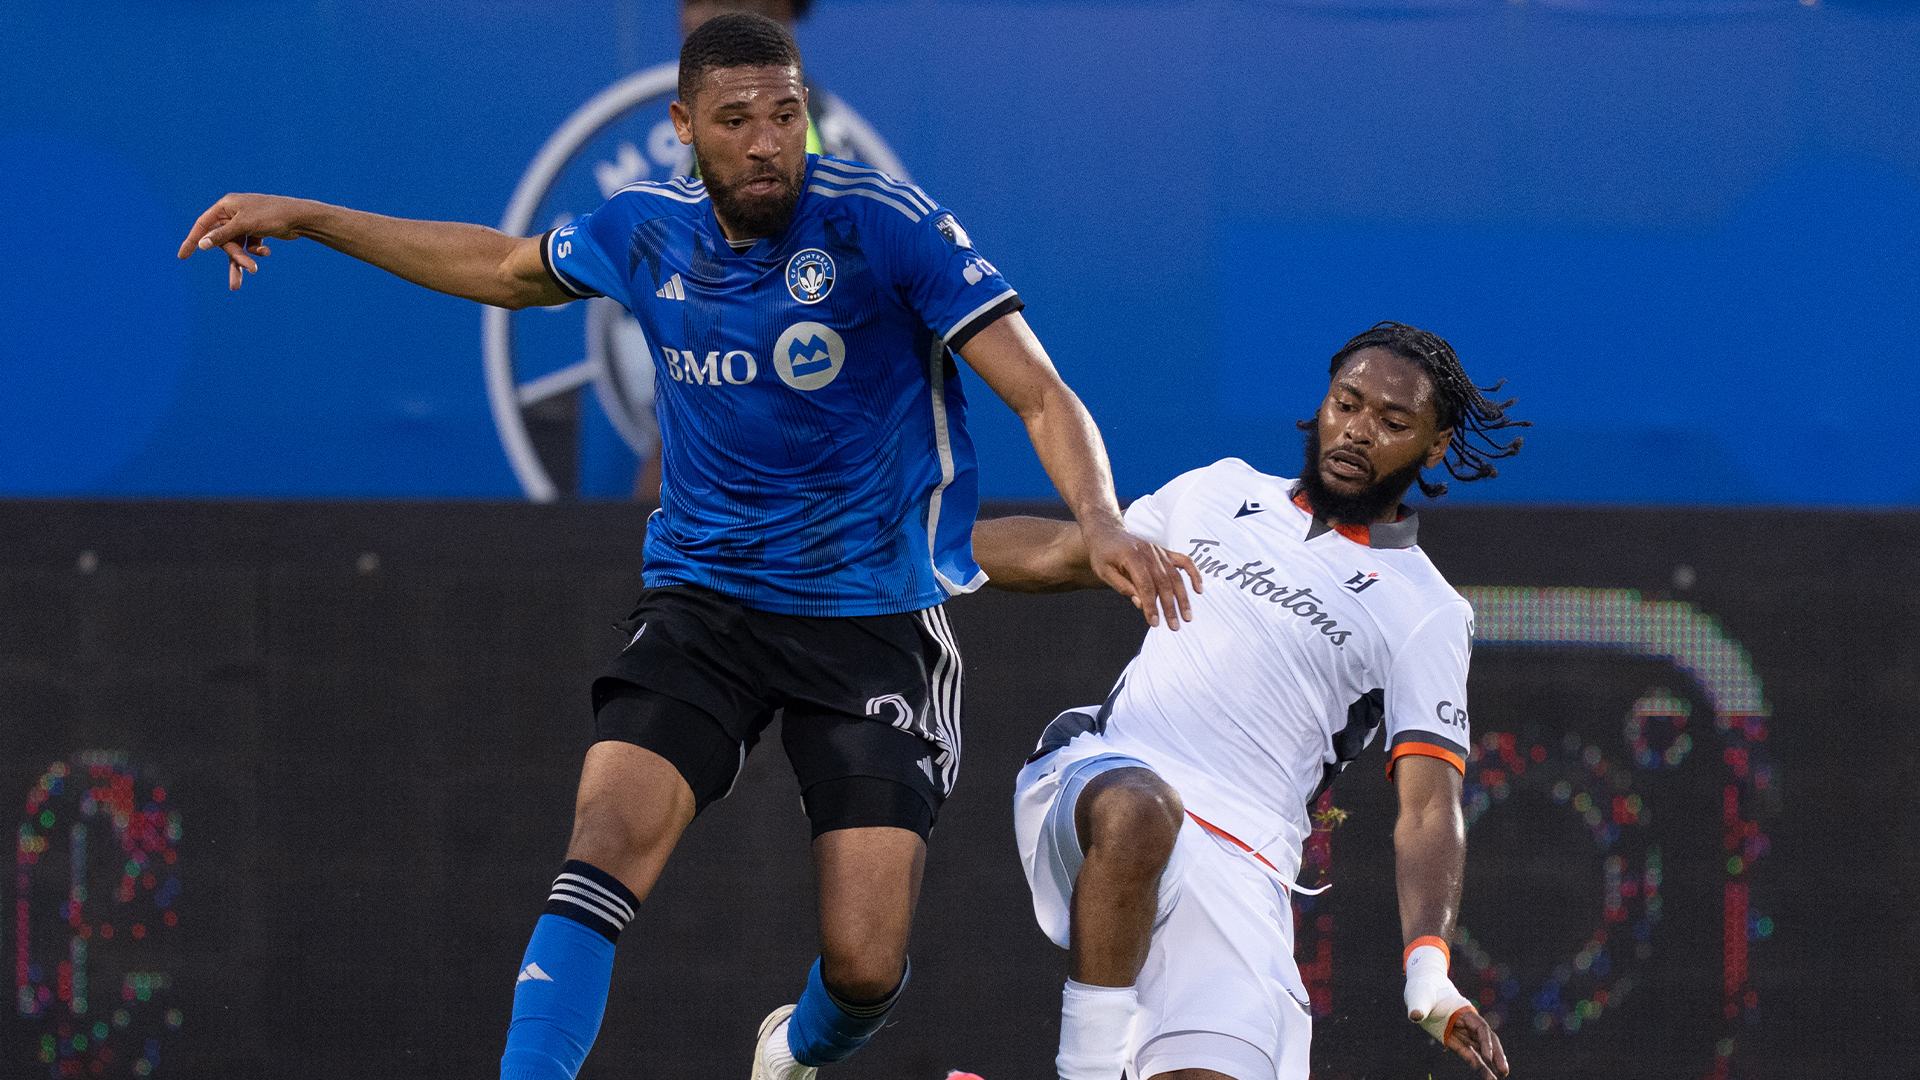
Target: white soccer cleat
{"points": [[771, 1058]]}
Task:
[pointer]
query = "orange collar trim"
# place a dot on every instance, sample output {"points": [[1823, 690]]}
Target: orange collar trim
{"points": [[1398, 533]]}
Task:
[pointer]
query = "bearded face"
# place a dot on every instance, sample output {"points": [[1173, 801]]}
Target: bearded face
{"points": [[748, 130], [1370, 501], [754, 199], [1374, 432]]}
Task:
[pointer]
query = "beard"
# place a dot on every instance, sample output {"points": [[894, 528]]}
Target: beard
{"points": [[1363, 507], [752, 215]]}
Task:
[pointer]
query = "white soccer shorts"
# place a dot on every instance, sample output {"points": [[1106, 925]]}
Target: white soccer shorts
{"points": [[1220, 989]]}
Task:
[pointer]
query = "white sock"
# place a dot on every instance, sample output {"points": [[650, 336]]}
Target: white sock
{"points": [[779, 1056], [1093, 1031]]}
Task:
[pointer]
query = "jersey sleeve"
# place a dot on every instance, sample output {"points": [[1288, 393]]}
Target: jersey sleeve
{"points": [[588, 256], [1427, 689], [1149, 516], [952, 287]]}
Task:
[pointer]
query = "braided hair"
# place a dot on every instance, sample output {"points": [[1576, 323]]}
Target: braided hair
{"points": [[736, 39], [1458, 403]]}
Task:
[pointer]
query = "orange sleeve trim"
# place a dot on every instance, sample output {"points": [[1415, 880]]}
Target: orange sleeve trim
{"points": [[1426, 750], [1437, 943]]}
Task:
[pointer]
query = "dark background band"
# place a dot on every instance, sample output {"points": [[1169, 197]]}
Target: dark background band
{"points": [[369, 720]]}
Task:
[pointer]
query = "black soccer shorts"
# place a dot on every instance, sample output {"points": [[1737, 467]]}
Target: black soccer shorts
{"points": [[868, 704]]}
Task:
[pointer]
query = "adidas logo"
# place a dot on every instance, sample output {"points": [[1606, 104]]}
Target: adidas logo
{"points": [[672, 290], [532, 971]]}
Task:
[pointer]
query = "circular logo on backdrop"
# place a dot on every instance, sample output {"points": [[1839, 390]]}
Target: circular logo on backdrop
{"points": [[809, 356], [810, 275]]}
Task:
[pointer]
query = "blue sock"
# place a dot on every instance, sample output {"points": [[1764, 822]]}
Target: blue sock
{"points": [[562, 991], [825, 1029]]}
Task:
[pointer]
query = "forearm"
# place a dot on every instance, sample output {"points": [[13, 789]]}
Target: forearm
{"points": [[1430, 851], [1429, 854], [469, 261], [1035, 555], [1070, 449]]}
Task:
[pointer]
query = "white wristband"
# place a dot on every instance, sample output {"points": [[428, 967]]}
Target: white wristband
{"points": [[1431, 997]]}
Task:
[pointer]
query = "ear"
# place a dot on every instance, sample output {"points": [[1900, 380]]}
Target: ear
{"points": [[682, 122], [1438, 452]]}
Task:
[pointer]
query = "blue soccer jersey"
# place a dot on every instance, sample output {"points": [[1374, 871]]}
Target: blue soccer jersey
{"points": [[815, 458]]}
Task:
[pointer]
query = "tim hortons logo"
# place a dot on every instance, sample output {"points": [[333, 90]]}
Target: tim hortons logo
{"points": [[1256, 579]]}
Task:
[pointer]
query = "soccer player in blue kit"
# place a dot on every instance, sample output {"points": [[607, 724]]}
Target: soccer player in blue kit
{"points": [[818, 495]]}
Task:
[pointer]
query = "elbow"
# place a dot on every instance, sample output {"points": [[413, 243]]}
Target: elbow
{"points": [[1426, 825], [509, 292]]}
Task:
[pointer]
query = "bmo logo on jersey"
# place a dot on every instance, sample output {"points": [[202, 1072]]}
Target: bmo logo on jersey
{"points": [[809, 356], [736, 368]]}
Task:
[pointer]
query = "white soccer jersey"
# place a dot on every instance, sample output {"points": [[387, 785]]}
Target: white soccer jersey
{"points": [[1306, 635]]}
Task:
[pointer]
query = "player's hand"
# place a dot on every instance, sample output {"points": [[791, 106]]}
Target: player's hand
{"points": [[239, 225], [1469, 1035], [1143, 572]]}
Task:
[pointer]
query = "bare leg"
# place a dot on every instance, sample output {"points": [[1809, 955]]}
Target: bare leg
{"points": [[869, 884], [1127, 821], [632, 807]]}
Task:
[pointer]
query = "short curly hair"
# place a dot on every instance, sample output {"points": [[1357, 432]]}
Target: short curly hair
{"points": [[736, 39]]}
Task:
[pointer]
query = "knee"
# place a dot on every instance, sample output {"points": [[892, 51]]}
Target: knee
{"points": [[861, 975], [622, 843], [1134, 818]]}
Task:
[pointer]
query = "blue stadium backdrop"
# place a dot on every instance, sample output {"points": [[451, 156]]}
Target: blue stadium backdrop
{"points": [[1688, 230]]}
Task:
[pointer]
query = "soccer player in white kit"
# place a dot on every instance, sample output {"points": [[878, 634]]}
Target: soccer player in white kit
{"points": [[1161, 831]]}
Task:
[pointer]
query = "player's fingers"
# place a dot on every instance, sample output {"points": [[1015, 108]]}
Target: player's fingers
{"points": [[1175, 563], [1146, 599], [257, 246], [1473, 1039], [202, 225], [1171, 590], [1192, 571], [220, 236], [220, 226], [234, 276], [1137, 582], [1491, 1050], [1472, 1057], [236, 253], [1118, 577]]}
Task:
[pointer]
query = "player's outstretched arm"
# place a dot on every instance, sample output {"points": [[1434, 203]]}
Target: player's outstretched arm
{"points": [[470, 261], [1044, 555], [1009, 358], [1430, 854], [1035, 555]]}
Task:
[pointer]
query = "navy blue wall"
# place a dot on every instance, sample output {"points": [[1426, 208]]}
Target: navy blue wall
{"points": [[1687, 230]]}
